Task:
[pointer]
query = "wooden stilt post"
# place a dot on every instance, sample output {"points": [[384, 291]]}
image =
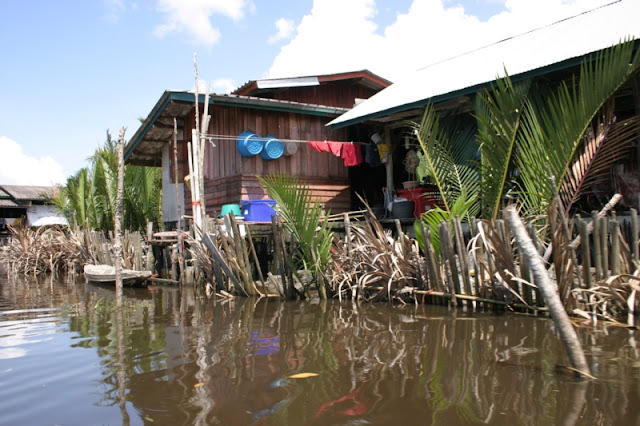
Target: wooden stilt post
{"points": [[117, 226]]}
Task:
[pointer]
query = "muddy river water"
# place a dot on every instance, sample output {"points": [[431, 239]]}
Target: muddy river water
{"points": [[173, 356]]}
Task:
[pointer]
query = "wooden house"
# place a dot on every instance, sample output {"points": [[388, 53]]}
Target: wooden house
{"points": [[545, 56], [293, 111]]}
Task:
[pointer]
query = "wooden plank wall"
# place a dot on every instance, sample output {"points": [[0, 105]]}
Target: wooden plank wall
{"points": [[338, 93], [229, 177]]}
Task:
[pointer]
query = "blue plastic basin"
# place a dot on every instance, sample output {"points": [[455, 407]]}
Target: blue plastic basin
{"points": [[249, 144]]}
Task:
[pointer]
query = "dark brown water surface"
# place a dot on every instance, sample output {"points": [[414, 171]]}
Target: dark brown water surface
{"points": [[174, 357]]}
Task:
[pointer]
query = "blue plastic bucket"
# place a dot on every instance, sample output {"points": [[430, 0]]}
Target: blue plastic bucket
{"points": [[273, 148], [249, 144]]}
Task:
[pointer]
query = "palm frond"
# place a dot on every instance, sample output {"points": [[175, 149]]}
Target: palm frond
{"points": [[605, 144], [499, 113], [305, 220], [567, 114], [444, 148]]}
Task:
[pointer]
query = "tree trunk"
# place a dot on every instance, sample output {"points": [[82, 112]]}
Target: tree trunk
{"points": [[117, 226], [549, 292]]}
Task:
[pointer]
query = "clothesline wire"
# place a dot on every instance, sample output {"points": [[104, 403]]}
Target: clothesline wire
{"points": [[211, 137]]}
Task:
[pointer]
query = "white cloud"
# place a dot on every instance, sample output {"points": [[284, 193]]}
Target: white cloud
{"points": [[223, 85], [342, 35], [219, 86], [114, 8], [20, 169], [285, 28], [193, 17]]}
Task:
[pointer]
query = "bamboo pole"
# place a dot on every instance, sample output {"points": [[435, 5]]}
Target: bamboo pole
{"points": [[210, 244], [614, 226], [634, 235], [450, 258], [178, 202], [347, 231], [604, 246], [432, 265], [279, 257], [549, 292], [597, 247], [462, 255], [586, 253], [205, 125]]}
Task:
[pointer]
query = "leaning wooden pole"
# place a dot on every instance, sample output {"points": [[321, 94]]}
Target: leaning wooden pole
{"points": [[117, 228], [549, 292]]}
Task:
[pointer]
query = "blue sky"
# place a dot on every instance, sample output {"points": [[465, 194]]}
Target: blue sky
{"points": [[71, 69]]}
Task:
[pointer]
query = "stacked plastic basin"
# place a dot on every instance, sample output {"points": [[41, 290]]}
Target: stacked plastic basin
{"points": [[249, 144], [273, 149]]}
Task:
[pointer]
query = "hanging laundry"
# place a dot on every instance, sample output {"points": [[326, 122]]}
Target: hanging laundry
{"points": [[326, 146], [351, 154], [383, 150], [371, 156]]}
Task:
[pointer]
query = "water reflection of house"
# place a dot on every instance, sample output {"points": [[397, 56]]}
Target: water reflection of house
{"points": [[18, 201], [293, 111]]}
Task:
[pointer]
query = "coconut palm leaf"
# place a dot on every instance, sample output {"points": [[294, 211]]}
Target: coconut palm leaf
{"points": [[446, 149], [499, 113], [432, 219], [556, 125], [605, 144], [142, 196], [304, 218]]}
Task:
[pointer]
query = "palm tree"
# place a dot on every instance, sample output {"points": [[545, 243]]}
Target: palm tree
{"points": [[569, 131], [524, 132], [305, 220], [90, 195]]}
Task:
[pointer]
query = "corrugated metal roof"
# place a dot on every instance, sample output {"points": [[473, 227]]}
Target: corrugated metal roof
{"points": [[288, 82], [27, 192], [186, 98], [9, 203], [567, 39], [363, 77]]}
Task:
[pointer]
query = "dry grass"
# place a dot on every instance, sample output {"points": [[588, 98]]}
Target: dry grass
{"points": [[372, 259], [43, 250]]}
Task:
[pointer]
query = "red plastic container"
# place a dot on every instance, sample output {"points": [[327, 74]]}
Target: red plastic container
{"points": [[423, 198]]}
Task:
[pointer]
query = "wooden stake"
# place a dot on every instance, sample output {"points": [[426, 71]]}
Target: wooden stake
{"points": [[597, 247], [614, 226], [586, 253]]}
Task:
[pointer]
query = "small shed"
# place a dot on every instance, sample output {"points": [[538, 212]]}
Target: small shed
{"points": [[17, 201], [292, 111]]}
